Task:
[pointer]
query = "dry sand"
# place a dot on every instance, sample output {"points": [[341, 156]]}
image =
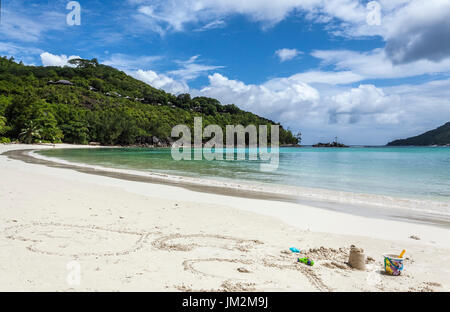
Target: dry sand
{"points": [[137, 236]]}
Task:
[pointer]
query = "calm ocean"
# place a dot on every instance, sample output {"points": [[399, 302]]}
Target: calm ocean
{"points": [[410, 172]]}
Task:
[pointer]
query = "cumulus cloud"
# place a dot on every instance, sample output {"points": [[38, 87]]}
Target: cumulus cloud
{"points": [[420, 30], [292, 101], [366, 101], [328, 77], [427, 105], [376, 64], [62, 60], [287, 54], [412, 29], [282, 99], [161, 81]]}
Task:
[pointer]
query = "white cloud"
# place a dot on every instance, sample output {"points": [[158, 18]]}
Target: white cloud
{"points": [[328, 77], [129, 62], [292, 101], [377, 65], [412, 29], [190, 69], [62, 60], [23, 27], [287, 54], [176, 14], [365, 102], [427, 105], [213, 25], [420, 30], [20, 53], [174, 81], [161, 81], [282, 99]]}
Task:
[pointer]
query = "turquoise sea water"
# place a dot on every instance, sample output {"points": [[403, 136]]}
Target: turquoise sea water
{"points": [[413, 172]]}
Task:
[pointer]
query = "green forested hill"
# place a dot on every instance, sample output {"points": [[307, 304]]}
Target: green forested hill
{"points": [[104, 105], [439, 136]]}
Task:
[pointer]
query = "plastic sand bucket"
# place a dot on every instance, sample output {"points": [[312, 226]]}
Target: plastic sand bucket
{"points": [[393, 265]]}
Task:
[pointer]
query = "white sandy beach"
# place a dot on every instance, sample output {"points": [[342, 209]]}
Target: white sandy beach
{"points": [[136, 236]]}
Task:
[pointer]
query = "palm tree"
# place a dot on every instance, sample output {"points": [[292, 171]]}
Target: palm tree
{"points": [[30, 132]]}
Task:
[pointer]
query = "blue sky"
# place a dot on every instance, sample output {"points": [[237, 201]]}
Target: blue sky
{"points": [[366, 72]]}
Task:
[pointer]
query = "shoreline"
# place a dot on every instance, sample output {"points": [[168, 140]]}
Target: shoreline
{"points": [[366, 205], [135, 236]]}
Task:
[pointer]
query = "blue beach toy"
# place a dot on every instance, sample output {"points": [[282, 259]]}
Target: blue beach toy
{"points": [[294, 250]]}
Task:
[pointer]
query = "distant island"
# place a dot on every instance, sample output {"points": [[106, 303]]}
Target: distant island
{"points": [[439, 136], [333, 144]]}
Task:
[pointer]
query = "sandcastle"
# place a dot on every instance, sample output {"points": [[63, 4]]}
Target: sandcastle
{"points": [[357, 258]]}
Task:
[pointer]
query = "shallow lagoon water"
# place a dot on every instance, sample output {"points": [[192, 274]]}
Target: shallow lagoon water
{"points": [[408, 172]]}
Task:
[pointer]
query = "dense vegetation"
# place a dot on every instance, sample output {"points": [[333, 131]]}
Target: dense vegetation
{"points": [[439, 136], [104, 105]]}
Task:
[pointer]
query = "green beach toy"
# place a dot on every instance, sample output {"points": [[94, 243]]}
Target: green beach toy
{"points": [[306, 261]]}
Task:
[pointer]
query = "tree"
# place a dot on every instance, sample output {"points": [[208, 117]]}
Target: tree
{"points": [[184, 100], [75, 132], [232, 109], [298, 136], [3, 127], [28, 114], [48, 126], [97, 84], [81, 63], [30, 133], [21, 110]]}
